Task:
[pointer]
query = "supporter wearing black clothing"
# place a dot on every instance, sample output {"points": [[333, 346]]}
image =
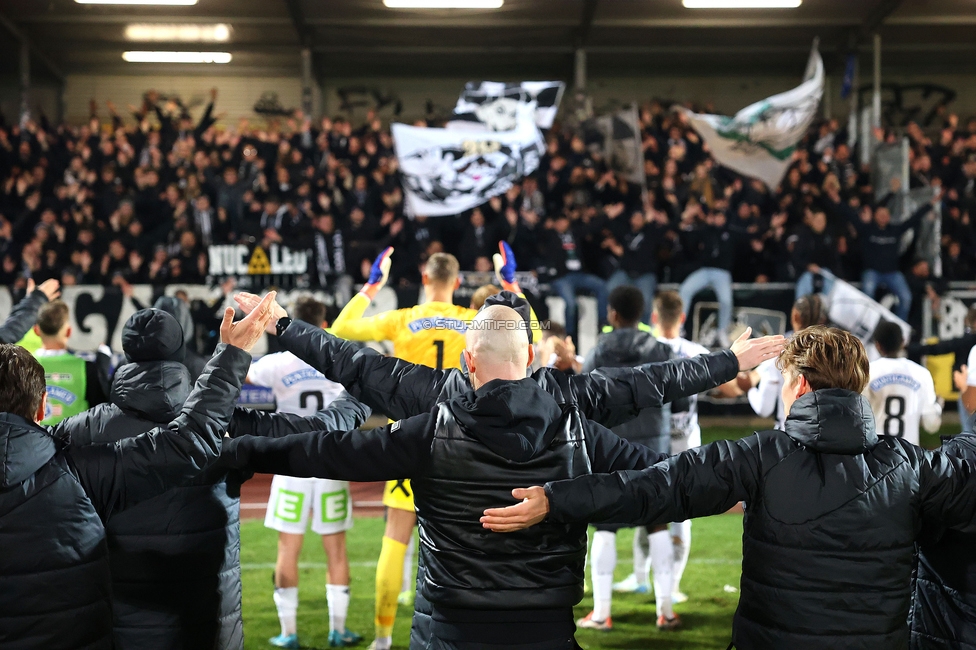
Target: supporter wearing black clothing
{"points": [[814, 250], [398, 389], [628, 347], [175, 558], [55, 496], [636, 245], [880, 240], [832, 510], [562, 256], [466, 451], [944, 605], [711, 248]]}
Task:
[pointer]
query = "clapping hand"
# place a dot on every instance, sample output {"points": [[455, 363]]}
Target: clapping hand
{"points": [[245, 333]]}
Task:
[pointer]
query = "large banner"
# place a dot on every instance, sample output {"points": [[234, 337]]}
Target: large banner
{"points": [[759, 140], [253, 266], [446, 172], [494, 106], [617, 139]]}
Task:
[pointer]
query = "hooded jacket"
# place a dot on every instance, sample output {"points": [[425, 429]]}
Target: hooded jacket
{"points": [[464, 456], [179, 310], [944, 608], [628, 347], [55, 498], [175, 558], [832, 514]]}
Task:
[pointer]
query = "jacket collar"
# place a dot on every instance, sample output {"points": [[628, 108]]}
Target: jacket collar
{"points": [[25, 447], [832, 421]]}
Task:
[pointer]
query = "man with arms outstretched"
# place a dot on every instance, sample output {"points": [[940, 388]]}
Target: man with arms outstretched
{"points": [[832, 510], [485, 592], [609, 396]]}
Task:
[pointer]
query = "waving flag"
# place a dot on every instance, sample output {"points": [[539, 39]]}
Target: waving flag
{"points": [[447, 171], [493, 105], [759, 141]]}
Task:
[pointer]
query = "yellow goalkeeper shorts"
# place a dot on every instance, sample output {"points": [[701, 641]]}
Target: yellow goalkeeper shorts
{"points": [[399, 495]]}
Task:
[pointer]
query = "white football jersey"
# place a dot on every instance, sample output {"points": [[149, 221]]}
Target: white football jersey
{"points": [[298, 388], [766, 399], [685, 431], [901, 393]]}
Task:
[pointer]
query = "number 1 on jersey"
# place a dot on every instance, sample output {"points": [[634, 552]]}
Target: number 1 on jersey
{"points": [[440, 354]]}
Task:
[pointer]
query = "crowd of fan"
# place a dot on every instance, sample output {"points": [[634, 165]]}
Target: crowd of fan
{"points": [[137, 198]]}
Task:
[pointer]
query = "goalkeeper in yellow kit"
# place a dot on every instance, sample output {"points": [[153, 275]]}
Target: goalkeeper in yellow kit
{"points": [[431, 334]]}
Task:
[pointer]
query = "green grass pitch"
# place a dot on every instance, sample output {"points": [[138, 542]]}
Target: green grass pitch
{"points": [[715, 562]]}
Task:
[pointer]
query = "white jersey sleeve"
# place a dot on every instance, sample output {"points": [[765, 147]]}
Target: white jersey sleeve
{"points": [[766, 399], [971, 363], [902, 394], [685, 430], [298, 388]]}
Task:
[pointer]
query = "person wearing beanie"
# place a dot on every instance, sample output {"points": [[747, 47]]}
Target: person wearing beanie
{"points": [[56, 497], [175, 559]]}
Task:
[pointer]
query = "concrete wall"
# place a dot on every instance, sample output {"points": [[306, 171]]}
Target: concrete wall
{"points": [[239, 93]]}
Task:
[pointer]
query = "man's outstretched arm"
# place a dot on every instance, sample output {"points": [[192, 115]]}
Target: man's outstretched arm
{"points": [[390, 386], [343, 414], [612, 396], [696, 483], [118, 475], [398, 450], [24, 315]]}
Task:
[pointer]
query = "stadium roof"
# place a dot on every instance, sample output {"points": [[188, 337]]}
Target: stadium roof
{"points": [[524, 38]]}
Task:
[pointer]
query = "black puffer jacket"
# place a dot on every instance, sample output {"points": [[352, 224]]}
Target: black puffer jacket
{"points": [[175, 559], [628, 347], [832, 515], [944, 611], [54, 497], [467, 455], [22, 317]]}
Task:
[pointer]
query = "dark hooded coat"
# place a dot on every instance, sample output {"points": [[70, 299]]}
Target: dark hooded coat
{"points": [[175, 559], [832, 515]]}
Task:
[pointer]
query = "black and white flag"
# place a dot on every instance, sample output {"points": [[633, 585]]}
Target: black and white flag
{"points": [[617, 139], [493, 105], [448, 171]]}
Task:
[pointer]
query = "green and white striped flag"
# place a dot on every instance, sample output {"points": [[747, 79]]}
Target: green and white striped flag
{"points": [[759, 141]]}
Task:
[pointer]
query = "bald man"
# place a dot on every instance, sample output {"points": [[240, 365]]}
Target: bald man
{"points": [[467, 454]]}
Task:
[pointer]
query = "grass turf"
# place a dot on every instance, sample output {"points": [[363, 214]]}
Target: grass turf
{"points": [[715, 562]]}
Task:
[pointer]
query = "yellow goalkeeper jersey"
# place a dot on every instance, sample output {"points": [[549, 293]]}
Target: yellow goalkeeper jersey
{"points": [[431, 334]]}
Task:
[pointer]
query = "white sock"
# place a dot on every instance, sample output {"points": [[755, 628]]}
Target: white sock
{"points": [[681, 540], [286, 600], [662, 560], [409, 577], [642, 557], [384, 642], [604, 559], [337, 597]]}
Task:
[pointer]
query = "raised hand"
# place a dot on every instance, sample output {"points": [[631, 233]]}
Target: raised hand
{"points": [[245, 333], [532, 510], [50, 288], [379, 273], [504, 261], [248, 302], [752, 352]]}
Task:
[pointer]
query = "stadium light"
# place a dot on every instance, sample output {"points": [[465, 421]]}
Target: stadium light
{"points": [[177, 57], [171, 3], [191, 33], [742, 4], [443, 4]]}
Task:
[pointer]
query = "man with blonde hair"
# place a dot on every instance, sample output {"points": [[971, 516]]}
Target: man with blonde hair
{"points": [[832, 510]]}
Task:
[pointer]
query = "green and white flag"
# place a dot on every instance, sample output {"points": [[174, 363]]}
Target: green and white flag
{"points": [[759, 141]]}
